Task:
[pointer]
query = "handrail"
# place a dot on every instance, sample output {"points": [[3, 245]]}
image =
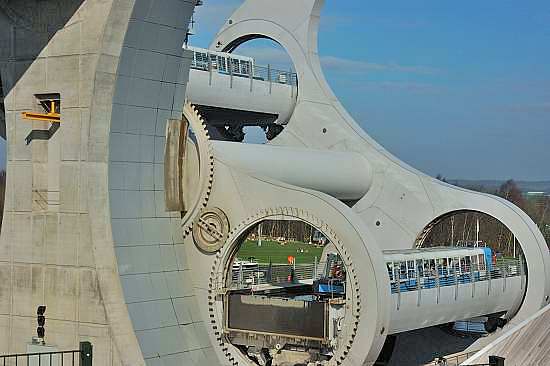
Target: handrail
{"points": [[38, 354], [82, 356], [255, 72], [452, 360], [262, 274], [469, 274]]}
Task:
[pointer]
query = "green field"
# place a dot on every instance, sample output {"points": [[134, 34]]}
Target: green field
{"points": [[278, 253]]}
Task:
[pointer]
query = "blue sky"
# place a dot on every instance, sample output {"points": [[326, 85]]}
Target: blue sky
{"points": [[456, 88]]}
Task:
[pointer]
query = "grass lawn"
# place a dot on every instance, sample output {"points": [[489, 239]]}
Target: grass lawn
{"points": [[277, 253]]}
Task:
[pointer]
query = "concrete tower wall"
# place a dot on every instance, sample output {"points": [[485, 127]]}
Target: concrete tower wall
{"points": [[46, 251], [120, 71], [154, 271]]}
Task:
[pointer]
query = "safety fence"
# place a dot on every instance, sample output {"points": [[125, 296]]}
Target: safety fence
{"points": [[459, 359], [452, 360], [246, 275], [439, 275], [80, 357], [244, 69], [277, 76]]}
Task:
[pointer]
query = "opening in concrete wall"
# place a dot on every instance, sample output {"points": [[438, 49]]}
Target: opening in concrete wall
{"points": [[254, 135], [266, 52], [286, 302], [471, 229], [502, 251], [246, 94]]}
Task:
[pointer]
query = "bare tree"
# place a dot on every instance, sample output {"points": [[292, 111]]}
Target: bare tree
{"points": [[510, 191]]}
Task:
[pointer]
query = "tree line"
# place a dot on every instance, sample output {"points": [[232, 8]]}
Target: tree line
{"points": [[463, 226], [288, 230]]}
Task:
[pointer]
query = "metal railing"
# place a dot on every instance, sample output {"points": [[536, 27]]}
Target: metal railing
{"points": [[267, 73], [79, 357], [262, 73], [458, 359], [246, 275], [453, 360], [451, 276]]}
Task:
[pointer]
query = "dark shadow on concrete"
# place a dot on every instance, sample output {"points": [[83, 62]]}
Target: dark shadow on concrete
{"points": [[227, 124], [42, 134], [26, 27], [421, 346], [2, 112]]}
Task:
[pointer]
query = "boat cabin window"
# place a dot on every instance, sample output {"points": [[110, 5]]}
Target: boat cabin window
{"points": [[222, 66], [456, 265], [410, 269], [245, 67], [201, 59], [450, 265], [443, 266], [389, 267], [234, 65], [403, 270], [481, 260], [419, 267], [214, 61], [473, 260], [432, 268]]}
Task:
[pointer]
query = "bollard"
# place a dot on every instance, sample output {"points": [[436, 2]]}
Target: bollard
{"points": [[86, 353]]}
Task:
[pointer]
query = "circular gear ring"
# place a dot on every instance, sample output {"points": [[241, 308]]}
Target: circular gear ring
{"points": [[211, 229], [206, 166], [218, 278]]}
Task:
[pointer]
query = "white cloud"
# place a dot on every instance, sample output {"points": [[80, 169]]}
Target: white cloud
{"points": [[278, 56], [211, 16], [355, 66]]}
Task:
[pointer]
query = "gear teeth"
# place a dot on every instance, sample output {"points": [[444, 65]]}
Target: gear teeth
{"points": [[202, 121], [355, 315], [206, 158]]}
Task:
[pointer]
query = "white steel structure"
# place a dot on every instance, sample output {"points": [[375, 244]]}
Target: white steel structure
{"points": [[124, 218]]}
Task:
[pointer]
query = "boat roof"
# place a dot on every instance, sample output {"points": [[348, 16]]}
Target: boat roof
{"points": [[443, 250]]}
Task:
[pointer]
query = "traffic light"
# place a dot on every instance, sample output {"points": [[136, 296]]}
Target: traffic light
{"points": [[41, 319]]}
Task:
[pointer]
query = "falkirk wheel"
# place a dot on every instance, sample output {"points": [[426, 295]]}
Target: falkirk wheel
{"points": [[125, 217]]}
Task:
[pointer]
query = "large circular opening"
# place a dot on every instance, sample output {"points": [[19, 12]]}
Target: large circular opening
{"points": [[259, 85], [471, 266], [287, 290], [472, 229], [273, 65], [266, 51], [496, 256]]}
